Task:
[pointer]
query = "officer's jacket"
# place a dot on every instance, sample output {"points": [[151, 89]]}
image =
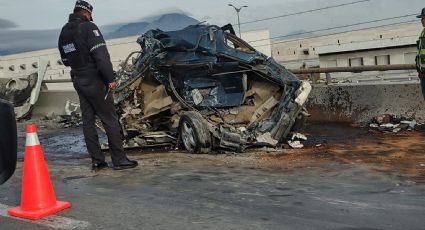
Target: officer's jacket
{"points": [[83, 48], [420, 59]]}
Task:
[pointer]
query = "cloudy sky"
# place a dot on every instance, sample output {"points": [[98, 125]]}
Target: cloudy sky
{"points": [[34, 24], [52, 14]]}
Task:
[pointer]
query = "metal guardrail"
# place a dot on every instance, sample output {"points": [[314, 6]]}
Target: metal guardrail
{"points": [[357, 69]]}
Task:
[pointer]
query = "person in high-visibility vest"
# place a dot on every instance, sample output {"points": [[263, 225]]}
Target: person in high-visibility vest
{"points": [[420, 58]]}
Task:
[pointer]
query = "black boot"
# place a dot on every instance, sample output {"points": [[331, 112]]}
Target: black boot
{"points": [[127, 164], [99, 166]]}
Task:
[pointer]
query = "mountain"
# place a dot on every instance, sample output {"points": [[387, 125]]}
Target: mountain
{"points": [[6, 24], [17, 41], [106, 29], [170, 22], [166, 22], [127, 30]]}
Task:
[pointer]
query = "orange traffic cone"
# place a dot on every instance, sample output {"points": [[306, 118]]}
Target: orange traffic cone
{"points": [[38, 198]]}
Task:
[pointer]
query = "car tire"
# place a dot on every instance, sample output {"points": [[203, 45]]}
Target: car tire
{"points": [[194, 134]]}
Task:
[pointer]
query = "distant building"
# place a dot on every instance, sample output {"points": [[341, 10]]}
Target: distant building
{"points": [[384, 45], [260, 40]]}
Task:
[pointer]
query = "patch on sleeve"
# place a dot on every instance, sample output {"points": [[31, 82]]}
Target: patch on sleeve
{"points": [[68, 48], [96, 33]]}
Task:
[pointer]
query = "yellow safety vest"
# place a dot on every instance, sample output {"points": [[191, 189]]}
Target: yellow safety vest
{"points": [[420, 59]]}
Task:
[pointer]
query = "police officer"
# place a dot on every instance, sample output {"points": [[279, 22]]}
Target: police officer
{"points": [[420, 59], [83, 48]]}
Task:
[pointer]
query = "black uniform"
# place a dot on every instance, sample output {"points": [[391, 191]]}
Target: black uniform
{"points": [[83, 48]]}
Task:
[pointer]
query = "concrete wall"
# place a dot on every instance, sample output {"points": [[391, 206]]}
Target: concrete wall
{"points": [[362, 102], [53, 102], [350, 103]]}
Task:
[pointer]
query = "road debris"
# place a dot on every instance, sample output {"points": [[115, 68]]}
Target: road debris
{"points": [[295, 144], [389, 123], [299, 136], [295, 141], [71, 107], [68, 121], [61, 121]]}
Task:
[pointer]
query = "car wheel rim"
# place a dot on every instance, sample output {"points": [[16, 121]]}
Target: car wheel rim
{"points": [[188, 137]]}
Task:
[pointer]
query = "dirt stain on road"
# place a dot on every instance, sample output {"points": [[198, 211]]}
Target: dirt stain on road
{"points": [[400, 154]]}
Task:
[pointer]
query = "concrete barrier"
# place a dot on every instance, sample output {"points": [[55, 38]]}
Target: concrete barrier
{"points": [[348, 103], [53, 102], [361, 102]]}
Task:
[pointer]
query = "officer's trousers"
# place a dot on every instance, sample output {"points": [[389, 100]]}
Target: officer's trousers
{"points": [[91, 91]]}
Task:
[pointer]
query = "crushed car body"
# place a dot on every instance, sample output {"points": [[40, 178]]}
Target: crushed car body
{"points": [[206, 89], [23, 90]]}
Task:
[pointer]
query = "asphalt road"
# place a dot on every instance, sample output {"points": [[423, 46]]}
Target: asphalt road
{"points": [[245, 191]]}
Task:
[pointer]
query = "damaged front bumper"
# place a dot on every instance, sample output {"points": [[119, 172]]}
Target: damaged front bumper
{"points": [[269, 132]]}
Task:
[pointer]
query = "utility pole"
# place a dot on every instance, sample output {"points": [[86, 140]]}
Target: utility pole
{"points": [[238, 10]]}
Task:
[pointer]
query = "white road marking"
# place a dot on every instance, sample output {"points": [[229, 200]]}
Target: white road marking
{"points": [[56, 222]]}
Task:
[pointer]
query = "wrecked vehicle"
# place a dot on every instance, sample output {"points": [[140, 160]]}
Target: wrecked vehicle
{"points": [[18, 91], [23, 90], [205, 89]]}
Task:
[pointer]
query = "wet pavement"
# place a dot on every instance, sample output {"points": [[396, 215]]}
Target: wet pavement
{"points": [[346, 178]]}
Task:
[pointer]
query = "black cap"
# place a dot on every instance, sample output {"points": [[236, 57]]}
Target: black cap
{"points": [[422, 14], [85, 6]]}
